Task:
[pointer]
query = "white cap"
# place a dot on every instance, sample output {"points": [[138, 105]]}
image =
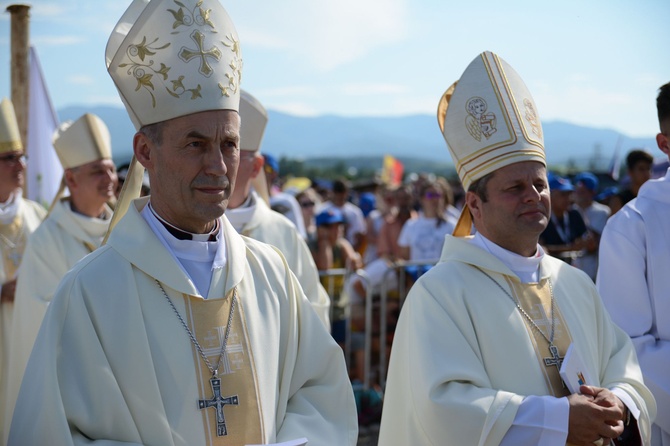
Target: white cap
{"points": [[83, 141], [170, 59], [489, 120], [254, 119], [10, 138]]}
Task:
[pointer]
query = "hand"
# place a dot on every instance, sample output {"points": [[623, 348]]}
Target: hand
{"points": [[8, 291], [595, 414]]}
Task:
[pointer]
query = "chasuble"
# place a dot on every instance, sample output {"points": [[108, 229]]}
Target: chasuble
{"points": [[113, 362], [13, 238], [274, 228], [464, 357]]}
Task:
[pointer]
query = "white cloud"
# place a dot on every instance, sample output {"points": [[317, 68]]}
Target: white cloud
{"points": [[325, 34], [292, 91], [367, 89], [43, 40], [81, 79], [48, 10], [294, 108]]}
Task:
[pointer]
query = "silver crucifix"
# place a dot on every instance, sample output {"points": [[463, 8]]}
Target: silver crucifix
{"points": [[217, 402], [555, 359]]}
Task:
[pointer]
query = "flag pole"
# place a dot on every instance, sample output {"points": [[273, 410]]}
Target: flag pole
{"points": [[20, 87]]}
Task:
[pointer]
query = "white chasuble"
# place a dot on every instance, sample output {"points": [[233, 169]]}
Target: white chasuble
{"points": [[208, 319]]}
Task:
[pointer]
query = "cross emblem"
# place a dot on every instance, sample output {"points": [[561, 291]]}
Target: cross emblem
{"points": [[217, 402], [187, 54], [555, 360]]}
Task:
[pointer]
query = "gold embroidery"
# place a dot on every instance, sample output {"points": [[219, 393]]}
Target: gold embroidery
{"points": [[479, 122], [531, 117], [182, 19], [235, 77], [187, 55]]}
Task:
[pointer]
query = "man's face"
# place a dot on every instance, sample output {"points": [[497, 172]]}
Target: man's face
{"points": [[560, 201], [12, 168], [193, 171], [94, 183], [517, 209], [640, 173]]}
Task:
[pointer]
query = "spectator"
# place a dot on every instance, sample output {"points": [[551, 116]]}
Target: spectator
{"points": [[595, 216], [354, 221], [638, 164]]}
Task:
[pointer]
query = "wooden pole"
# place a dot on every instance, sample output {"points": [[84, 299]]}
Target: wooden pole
{"points": [[20, 68]]}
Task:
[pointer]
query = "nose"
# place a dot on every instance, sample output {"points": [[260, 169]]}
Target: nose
{"points": [[215, 163]]}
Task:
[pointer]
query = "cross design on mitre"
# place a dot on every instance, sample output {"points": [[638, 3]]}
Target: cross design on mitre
{"points": [[217, 402], [187, 55]]}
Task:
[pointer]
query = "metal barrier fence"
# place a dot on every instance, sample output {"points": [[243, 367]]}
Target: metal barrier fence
{"points": [[376, 297]]}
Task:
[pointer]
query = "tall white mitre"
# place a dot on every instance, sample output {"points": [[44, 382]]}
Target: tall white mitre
{"points": [[254, 119], [10, 138], [489, 120], [170, 59]]}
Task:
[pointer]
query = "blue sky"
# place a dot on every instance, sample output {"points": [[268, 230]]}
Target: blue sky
{"points": [[590, 62]]}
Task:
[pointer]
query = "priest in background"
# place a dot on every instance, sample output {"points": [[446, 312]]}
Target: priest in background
{"points": [[179, 331], [251, 215], [18, 219], [482, 335], [74, 228]]}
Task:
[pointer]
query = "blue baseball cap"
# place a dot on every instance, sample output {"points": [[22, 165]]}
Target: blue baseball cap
{"points": [[367, 202], [589, 180], [271, 162], [560, 184], [329, 216]]}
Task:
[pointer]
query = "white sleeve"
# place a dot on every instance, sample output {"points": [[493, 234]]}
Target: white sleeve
{"points": [[539, 420]]}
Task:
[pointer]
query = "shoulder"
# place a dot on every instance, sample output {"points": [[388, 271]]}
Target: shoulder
{"points": [[34, 208]]}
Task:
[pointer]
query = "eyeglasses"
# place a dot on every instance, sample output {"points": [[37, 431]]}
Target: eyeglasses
{"points": [[432, 195], [306, 204], [14, 158]]}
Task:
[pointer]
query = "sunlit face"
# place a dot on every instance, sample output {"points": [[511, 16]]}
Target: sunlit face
{"points": [[93, 183], [192, 172], [12, 176], [517, 209]]}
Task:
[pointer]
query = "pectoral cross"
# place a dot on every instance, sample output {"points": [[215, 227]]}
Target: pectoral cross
{"points": [[217, 402], [555, 359]]}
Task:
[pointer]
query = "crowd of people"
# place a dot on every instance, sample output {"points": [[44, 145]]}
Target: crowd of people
{"points": [[188, 299]]}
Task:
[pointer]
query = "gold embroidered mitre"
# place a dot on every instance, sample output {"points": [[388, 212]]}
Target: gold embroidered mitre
{"points": [[10, 138], [489, 120], [173, 58], [83, 141]]}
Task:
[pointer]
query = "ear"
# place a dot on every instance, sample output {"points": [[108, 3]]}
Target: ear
{"points": [[70, 180], [259, 162], [143, 149], [663, 143], [474, 204]]}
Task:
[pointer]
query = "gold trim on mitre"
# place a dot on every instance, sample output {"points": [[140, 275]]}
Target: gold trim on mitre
{"points": [[172, 58], [83, 141], [491, 120], [10, 137]]}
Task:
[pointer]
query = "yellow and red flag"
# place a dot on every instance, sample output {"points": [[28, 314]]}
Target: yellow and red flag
{"points": [[392, 171]]}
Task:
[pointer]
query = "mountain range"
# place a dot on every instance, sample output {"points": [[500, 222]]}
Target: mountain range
{"points": [[411, 137]]}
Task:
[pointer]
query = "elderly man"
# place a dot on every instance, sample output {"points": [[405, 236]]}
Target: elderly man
{"points": [[481, 337], [250, 215], [633, 276], [179, 331], [18, 219], [74, 228]]}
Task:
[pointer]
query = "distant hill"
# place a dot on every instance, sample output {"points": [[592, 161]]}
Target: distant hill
{"points": [[414, 139]]}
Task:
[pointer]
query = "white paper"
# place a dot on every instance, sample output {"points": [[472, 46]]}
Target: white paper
{"points": [[573, 370], [296, 442]]}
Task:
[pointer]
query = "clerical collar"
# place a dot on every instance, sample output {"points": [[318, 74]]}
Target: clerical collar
{"points": [[526, 268], [10, 208], [241, 215], [180, 234]]}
